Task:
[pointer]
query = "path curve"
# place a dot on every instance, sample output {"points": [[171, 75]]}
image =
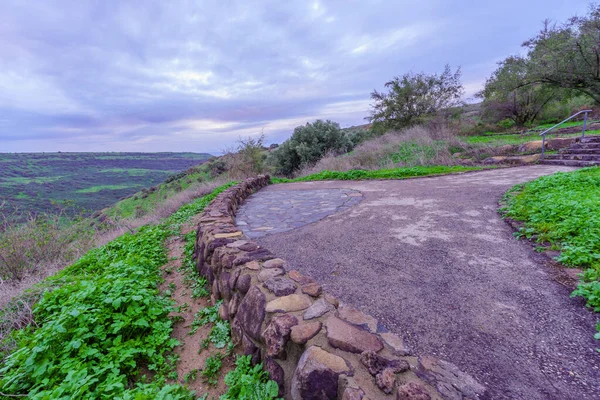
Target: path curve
{"points": [[432, 260]]}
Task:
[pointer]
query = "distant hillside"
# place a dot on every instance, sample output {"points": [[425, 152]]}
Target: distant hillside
{"points": [[92, 181]]}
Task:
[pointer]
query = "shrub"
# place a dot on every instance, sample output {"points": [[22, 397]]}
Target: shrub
{"points": [[308, 144], [249, 383]]}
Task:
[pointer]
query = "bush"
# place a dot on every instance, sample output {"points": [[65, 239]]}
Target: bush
{"points": [[249, 383], [43, 240], [308, 144]]}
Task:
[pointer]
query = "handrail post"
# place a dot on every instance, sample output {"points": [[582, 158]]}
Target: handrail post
{"points": [[584, 124], [543, 143]]}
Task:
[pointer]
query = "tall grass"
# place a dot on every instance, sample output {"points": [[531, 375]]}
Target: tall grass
{"points": [[416, 146]]}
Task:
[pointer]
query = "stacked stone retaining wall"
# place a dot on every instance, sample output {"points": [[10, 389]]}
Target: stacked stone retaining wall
{"points": [[310, 344]]}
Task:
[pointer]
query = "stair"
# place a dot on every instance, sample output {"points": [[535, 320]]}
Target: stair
{"points": [[584, 152]]}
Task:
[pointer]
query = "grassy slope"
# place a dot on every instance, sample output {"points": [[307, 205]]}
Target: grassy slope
{"points": [[31, 181], [104, 320], [564, 210], [500, 139], [395, 173]]}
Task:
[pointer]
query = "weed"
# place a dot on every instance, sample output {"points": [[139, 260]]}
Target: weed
{"points": [[212, 367], [204, 316], [246, 382], [190, 376]]}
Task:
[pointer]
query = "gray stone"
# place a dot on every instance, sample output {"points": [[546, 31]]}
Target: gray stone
{"points": [[243, 283], [277, 334], [347, 337], [412, 391], [316, 376], [274, 263], [319, 308], [386, 380], [451, 382], [280, 286], [275, 373], [376, 364], [251, 312], [267, 274]]}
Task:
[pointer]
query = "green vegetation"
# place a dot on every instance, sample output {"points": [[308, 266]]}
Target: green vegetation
{"points": [[498, 139], [96, 189], [395, 173], [100, 322], [249, 383], [103, 319], [308, 144], [564, 210], [31, 181]]}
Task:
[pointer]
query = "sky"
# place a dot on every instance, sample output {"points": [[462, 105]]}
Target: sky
{"points": [[121, 75]]}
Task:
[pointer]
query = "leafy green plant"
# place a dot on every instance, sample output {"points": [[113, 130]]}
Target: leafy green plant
{"points": [[220, 334], [246, 382], [205, 315], [212, 368], [190, 376], [564, 210]]}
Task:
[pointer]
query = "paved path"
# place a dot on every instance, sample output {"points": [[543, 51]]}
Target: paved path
{"points": [[432, 260]]}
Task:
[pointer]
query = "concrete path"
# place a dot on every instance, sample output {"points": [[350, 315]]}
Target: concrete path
{"points": [[432, 260]]}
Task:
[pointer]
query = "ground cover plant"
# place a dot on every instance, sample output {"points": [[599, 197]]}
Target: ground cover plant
{"points": [[394, 173], [102, 321], [563, 210], [91, 181]]}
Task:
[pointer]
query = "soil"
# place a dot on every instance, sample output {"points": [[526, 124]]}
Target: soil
{"points": [[191, 356]]}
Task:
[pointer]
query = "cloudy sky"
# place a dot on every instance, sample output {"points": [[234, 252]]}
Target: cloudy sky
{"points": [[121, 75]]}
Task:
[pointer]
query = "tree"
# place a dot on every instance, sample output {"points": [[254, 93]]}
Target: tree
{"points": [[415, 97], [307, 145], [247, 159], [568, 55], [507, 96]]}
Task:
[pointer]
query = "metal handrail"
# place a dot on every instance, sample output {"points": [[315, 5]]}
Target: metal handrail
{"points": [[543, 134]]}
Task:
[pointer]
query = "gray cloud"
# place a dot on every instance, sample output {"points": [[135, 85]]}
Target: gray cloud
{"points": [[186, 75]]}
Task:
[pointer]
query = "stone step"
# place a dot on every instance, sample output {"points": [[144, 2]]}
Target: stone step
{"points": [[567, 156], [571, 163], [579, 151], [586, 146], [590, 139]]}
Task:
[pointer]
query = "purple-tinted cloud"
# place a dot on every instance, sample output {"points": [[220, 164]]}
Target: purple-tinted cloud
{"points": [[177, 76]]}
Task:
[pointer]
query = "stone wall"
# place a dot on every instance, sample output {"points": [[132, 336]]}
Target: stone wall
{"points": [[310, 344]]}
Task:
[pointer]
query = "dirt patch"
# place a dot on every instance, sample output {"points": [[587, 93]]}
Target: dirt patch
{"points": [[192, 354]]}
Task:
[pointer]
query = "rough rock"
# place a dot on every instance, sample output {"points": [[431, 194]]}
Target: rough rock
{"points": [[320, 307], [234, 277], [386, 380], [251, 312], [274, 263], [224, 312], [316, 376], [275, 373], [347, 337], [256, 255], [293, 302], [302, 333], [250, 349], [353, 394], [356, 317], [280, 286], [375, 363], [332, 300], [396, 343], [312, 289], [237, 244], [253, 265], [412, 391], [298, 277], [267, 274], [234, 303], [228, 235], [451, 382], [277, 334], [243, 283]]}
